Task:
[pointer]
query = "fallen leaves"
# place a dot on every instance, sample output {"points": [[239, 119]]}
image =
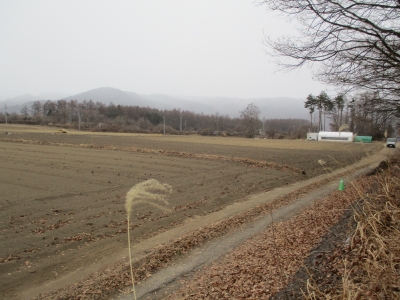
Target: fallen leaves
{"points": [[264, 264]]}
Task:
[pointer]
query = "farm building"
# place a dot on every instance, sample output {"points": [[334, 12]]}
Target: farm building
{"points": [[335, 136]]}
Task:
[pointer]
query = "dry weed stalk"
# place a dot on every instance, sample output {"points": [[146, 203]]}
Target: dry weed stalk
{"points": [[147, 192], [322, 163]]}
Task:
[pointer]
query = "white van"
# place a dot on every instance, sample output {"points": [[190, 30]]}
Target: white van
{"points": [[391, 142]]}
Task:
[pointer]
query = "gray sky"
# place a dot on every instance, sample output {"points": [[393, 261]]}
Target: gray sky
{"points": [[176, 47]]}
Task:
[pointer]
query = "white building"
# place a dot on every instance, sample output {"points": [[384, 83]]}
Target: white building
{"points": [[335, 136]]}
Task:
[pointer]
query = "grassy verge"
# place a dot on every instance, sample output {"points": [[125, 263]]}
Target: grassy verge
{"points": [[369, 264]]}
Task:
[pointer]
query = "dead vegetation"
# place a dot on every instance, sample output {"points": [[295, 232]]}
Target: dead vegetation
{"points": [[370, 264]]}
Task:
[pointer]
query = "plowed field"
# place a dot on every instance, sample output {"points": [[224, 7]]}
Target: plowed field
{"points": [[62, 195]]}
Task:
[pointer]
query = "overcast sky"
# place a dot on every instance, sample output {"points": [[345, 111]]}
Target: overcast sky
{"points": [[175, 47]]}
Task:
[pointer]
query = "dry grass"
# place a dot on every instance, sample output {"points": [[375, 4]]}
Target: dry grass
{"points": [[370, 265]]}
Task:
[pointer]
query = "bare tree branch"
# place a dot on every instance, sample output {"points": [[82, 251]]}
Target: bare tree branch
{"points": [[355, 43]]}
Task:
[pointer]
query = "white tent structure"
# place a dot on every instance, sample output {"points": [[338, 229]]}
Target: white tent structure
{"points": [[327, 136]]}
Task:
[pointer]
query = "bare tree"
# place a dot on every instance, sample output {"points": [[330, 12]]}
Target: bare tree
{"points": [[37, 108], [249, 119], [25, 112], [356, 43], [366, 119]]}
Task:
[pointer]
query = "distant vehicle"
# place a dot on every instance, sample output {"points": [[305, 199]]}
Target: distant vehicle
{"points": [[391, 142]]}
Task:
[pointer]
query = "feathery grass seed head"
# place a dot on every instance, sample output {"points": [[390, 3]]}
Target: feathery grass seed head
{"points": [[147, 191]]}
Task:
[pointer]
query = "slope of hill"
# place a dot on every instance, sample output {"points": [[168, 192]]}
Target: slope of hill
{"points": [[14, 105], [162, 101], [271, 108], [107, 95], [18, 100]]}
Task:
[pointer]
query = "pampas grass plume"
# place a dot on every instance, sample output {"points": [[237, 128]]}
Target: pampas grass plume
{"points": [[148, 192], [144, 192]]}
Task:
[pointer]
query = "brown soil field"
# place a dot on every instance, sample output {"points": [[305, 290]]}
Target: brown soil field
{"points": [[62, 195]]}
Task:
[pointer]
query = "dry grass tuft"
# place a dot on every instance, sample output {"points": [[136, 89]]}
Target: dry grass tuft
{"points": [[147, 192]]}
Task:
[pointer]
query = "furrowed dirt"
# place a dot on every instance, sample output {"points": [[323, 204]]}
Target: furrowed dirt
{"points": [[62, 195]]}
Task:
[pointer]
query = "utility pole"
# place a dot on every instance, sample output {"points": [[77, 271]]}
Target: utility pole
{"points": [[164, 124], [185, 124], [216, 120], [263, 125], [180, 128], [79, 118], [5, 109]]}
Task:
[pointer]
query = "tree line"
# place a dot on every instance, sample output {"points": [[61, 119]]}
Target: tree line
{"points": [[364, 113], [96, 116], [326, 114]]}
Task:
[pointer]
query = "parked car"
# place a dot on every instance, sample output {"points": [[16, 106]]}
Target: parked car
{"points": [[391, 142]]}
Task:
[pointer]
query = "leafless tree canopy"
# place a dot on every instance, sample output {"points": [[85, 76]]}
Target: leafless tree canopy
{"points": [[250, 119], [357, 43]]}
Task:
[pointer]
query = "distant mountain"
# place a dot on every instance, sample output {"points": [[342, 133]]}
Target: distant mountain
{"points": [[107, 95], [14, 105], [271, 108], [17, 107], [224, 105], [162, 102], [19, 100], [53, 96], [281, 108]]}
